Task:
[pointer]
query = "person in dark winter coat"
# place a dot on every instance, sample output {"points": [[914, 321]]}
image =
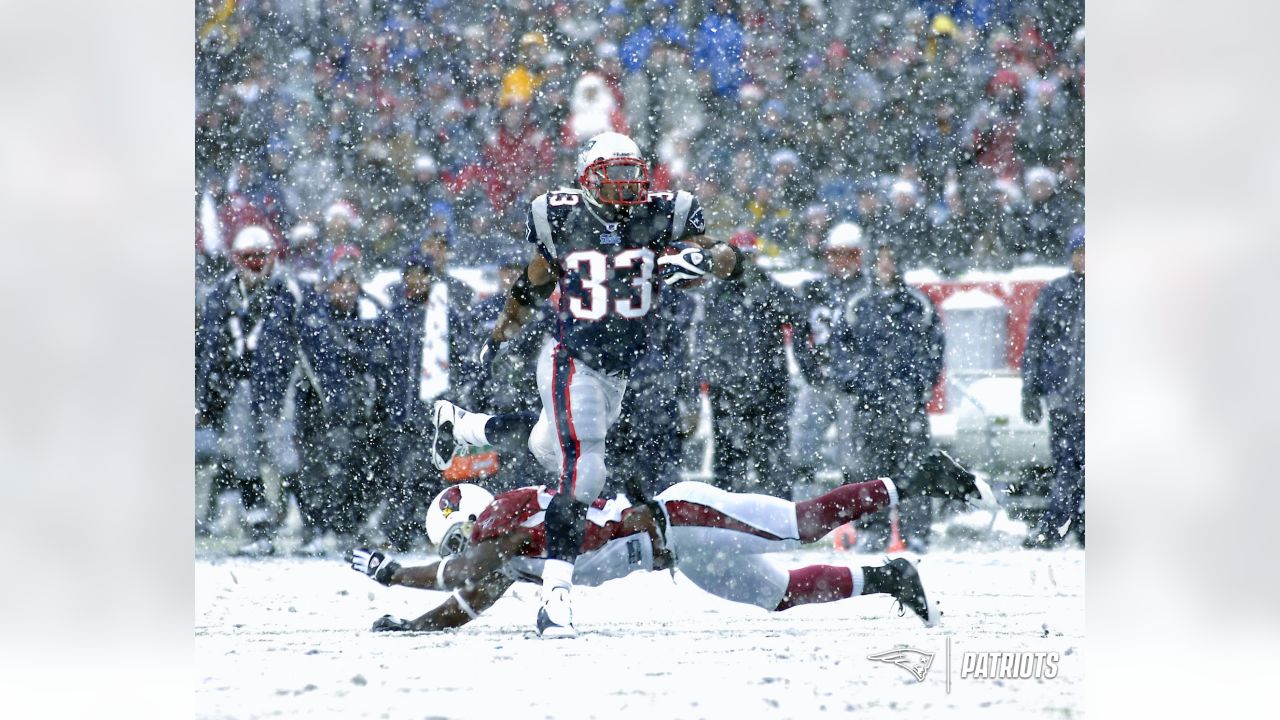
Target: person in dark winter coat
{"points": [[820, 403], [744, 362], [342, 416], [887, 354], [1053, 375], [513, 385], [430, 335], [246, 354], [645, 446]]}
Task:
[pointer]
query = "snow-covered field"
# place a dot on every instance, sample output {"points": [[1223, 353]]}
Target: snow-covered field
{"points": [[289, 638]]}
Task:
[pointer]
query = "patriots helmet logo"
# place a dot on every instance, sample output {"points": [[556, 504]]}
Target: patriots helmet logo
{"points": [[916, 662], [697, 222], [449, 501]]}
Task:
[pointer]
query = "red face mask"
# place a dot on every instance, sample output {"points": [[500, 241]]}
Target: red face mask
{"points": [[845, 260], [256, 262], [617, 181]]}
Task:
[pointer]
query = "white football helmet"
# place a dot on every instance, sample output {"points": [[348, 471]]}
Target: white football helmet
{"points": [[611, 171], [451, 515]]}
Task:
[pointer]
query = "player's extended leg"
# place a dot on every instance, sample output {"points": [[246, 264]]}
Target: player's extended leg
{"points": [[698, 514], [756, 580], [455, 426]]}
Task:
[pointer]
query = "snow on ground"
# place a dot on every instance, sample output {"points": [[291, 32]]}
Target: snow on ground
{"points": [[289, 638]]}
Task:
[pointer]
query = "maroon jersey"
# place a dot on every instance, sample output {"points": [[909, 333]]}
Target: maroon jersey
{"points": [[525, 508]]}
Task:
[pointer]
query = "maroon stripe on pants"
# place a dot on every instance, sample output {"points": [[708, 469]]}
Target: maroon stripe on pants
{"points": [[685, 513]]}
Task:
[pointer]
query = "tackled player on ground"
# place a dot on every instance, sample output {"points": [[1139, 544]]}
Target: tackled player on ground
{"points": [[716, 538]]}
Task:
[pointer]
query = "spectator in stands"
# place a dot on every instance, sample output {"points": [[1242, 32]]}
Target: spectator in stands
{"points": [[663, 26], [522, 80], [592, 110], [905, 220], [1045, 217], [518, 152], [718, 46]]}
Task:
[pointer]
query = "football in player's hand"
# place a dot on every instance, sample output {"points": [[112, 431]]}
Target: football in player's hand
{"points": [[684, 266]]}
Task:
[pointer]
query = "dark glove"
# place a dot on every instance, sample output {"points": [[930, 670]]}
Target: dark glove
{"points": [[390, 623], [484, 360], [1032, 412], [373, 563]]}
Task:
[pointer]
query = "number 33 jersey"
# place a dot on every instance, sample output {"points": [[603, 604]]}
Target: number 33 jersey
{"points": [[608, 270]]}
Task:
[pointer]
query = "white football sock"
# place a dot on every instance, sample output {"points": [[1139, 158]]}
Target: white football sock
{"points": [[859, 581], [470, 428], [892, 490], [557, 573]]}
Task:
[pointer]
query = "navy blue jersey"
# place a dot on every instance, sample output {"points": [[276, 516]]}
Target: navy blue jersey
{"points": [[608, 281]]}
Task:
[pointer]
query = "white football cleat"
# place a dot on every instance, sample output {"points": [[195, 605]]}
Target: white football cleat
{"points": [[555, 617], [444, 445]]}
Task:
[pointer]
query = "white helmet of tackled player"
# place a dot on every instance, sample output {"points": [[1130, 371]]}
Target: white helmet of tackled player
{"points": [[451, 515], [611, 171], [845, 236]]}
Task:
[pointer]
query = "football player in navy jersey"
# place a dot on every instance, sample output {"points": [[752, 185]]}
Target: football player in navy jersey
{"points": [[603, 246]]}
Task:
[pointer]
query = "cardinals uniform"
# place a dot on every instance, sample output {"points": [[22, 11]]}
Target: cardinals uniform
{"points": [[718, 538]]}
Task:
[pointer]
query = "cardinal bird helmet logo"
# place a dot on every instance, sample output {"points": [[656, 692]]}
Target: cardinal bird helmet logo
{"points": [[916, 662], [450, 500]]}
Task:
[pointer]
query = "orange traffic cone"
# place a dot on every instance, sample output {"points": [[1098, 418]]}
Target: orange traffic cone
{"points": [[896, 544]]}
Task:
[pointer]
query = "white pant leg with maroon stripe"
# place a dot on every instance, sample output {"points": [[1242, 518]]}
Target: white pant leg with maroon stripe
{"points": [[719, 538], [755, 523], [578, 406]]}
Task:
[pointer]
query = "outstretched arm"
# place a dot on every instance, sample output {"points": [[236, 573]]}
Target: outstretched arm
{"points": [[463, 605], [474, 577]]}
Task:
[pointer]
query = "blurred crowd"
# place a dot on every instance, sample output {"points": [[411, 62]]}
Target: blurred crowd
{"points": [[335, 138], [958, 126]]}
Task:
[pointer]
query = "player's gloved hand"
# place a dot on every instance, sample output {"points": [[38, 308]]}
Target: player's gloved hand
{"points": [[390, 623], [688, 265], [484, 360], [373, 563], [1031, 409]]}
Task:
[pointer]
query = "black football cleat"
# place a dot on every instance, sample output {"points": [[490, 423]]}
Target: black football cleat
{"points": [[390, 623], [900, 579], [941, 476], [443, 444]]}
